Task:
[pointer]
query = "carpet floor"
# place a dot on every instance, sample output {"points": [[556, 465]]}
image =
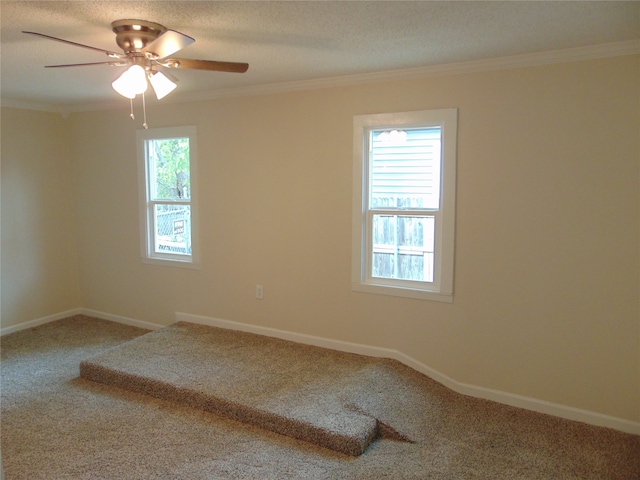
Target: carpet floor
{"points": [[329, 398], [57, 425]]}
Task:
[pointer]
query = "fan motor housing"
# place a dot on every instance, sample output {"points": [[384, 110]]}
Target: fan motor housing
{"points": [[134, 35]]}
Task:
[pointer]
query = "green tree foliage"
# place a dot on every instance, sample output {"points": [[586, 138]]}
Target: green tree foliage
{"points": [[171, 158]]}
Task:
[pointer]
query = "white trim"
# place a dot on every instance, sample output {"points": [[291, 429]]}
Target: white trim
{"points": [[360, 287], [176, 263], [147, 229], [80, 311], [533, 404], [540, 406], [576, 54], [591, 52], [120, 319], [441, 289], [520, 401], [39, 321], [39, 106], [340, 345]]}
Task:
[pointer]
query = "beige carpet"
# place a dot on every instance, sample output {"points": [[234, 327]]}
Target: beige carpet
{"points": [[321, 396], [55, 425]]}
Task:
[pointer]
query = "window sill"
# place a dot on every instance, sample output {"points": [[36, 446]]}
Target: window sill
{"points": [[171, 263], [402, 292]]}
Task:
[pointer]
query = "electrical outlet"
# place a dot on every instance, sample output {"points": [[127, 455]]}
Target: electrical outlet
{"points": [[259, 292]]}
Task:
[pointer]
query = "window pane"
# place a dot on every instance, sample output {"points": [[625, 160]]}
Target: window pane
{"points": [[411, 267], [411, 231], [169, 162], [405, 168], [383, 265], [384, 230], [403, 247], [172, 228]]}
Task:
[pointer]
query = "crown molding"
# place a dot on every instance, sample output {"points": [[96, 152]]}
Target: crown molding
{"points": [[39, 106], [616, 49], [591, 52]]}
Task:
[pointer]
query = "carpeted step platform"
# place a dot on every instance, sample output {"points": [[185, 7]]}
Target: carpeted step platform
{"points": [[310, 393]]}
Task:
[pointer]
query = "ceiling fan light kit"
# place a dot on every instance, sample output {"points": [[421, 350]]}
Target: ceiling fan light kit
{"points": [[132, 82], [162, 84], [146, 46]]}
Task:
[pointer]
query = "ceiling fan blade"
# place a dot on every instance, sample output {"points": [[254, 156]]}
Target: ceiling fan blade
{"points": [[113, 64], [111, 54], [205, 65], [168, 43]]}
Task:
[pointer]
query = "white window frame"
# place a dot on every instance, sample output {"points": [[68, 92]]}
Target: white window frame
{"points": [[146, 203], [441, 289]]}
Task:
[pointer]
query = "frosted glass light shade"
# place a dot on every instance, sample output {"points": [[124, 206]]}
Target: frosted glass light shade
{"points": [[132, 82], [161, 84]]}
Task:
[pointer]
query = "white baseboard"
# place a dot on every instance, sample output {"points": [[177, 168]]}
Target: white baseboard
{"points": [[286, 335], [533, 404], [120, 319], [80, 311], [528, 403], [39, 321]]}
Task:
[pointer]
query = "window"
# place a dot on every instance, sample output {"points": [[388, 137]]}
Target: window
{"points": [[404, 203], [167, 169]]}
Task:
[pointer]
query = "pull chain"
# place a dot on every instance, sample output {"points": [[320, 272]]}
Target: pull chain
{"points": [[144, 112]]}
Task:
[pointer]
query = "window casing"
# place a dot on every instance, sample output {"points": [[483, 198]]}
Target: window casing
{"points": [[168, 193], [404, 204]]}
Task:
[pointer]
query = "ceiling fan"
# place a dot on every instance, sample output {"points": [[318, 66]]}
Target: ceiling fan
{"points": [[147, 48]]}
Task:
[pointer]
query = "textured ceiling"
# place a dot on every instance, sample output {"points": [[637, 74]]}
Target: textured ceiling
{"points": [[290, 41]]}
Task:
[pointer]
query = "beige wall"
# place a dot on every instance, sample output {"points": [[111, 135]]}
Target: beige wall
{"points": [[547, 272], [39, 264]]}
